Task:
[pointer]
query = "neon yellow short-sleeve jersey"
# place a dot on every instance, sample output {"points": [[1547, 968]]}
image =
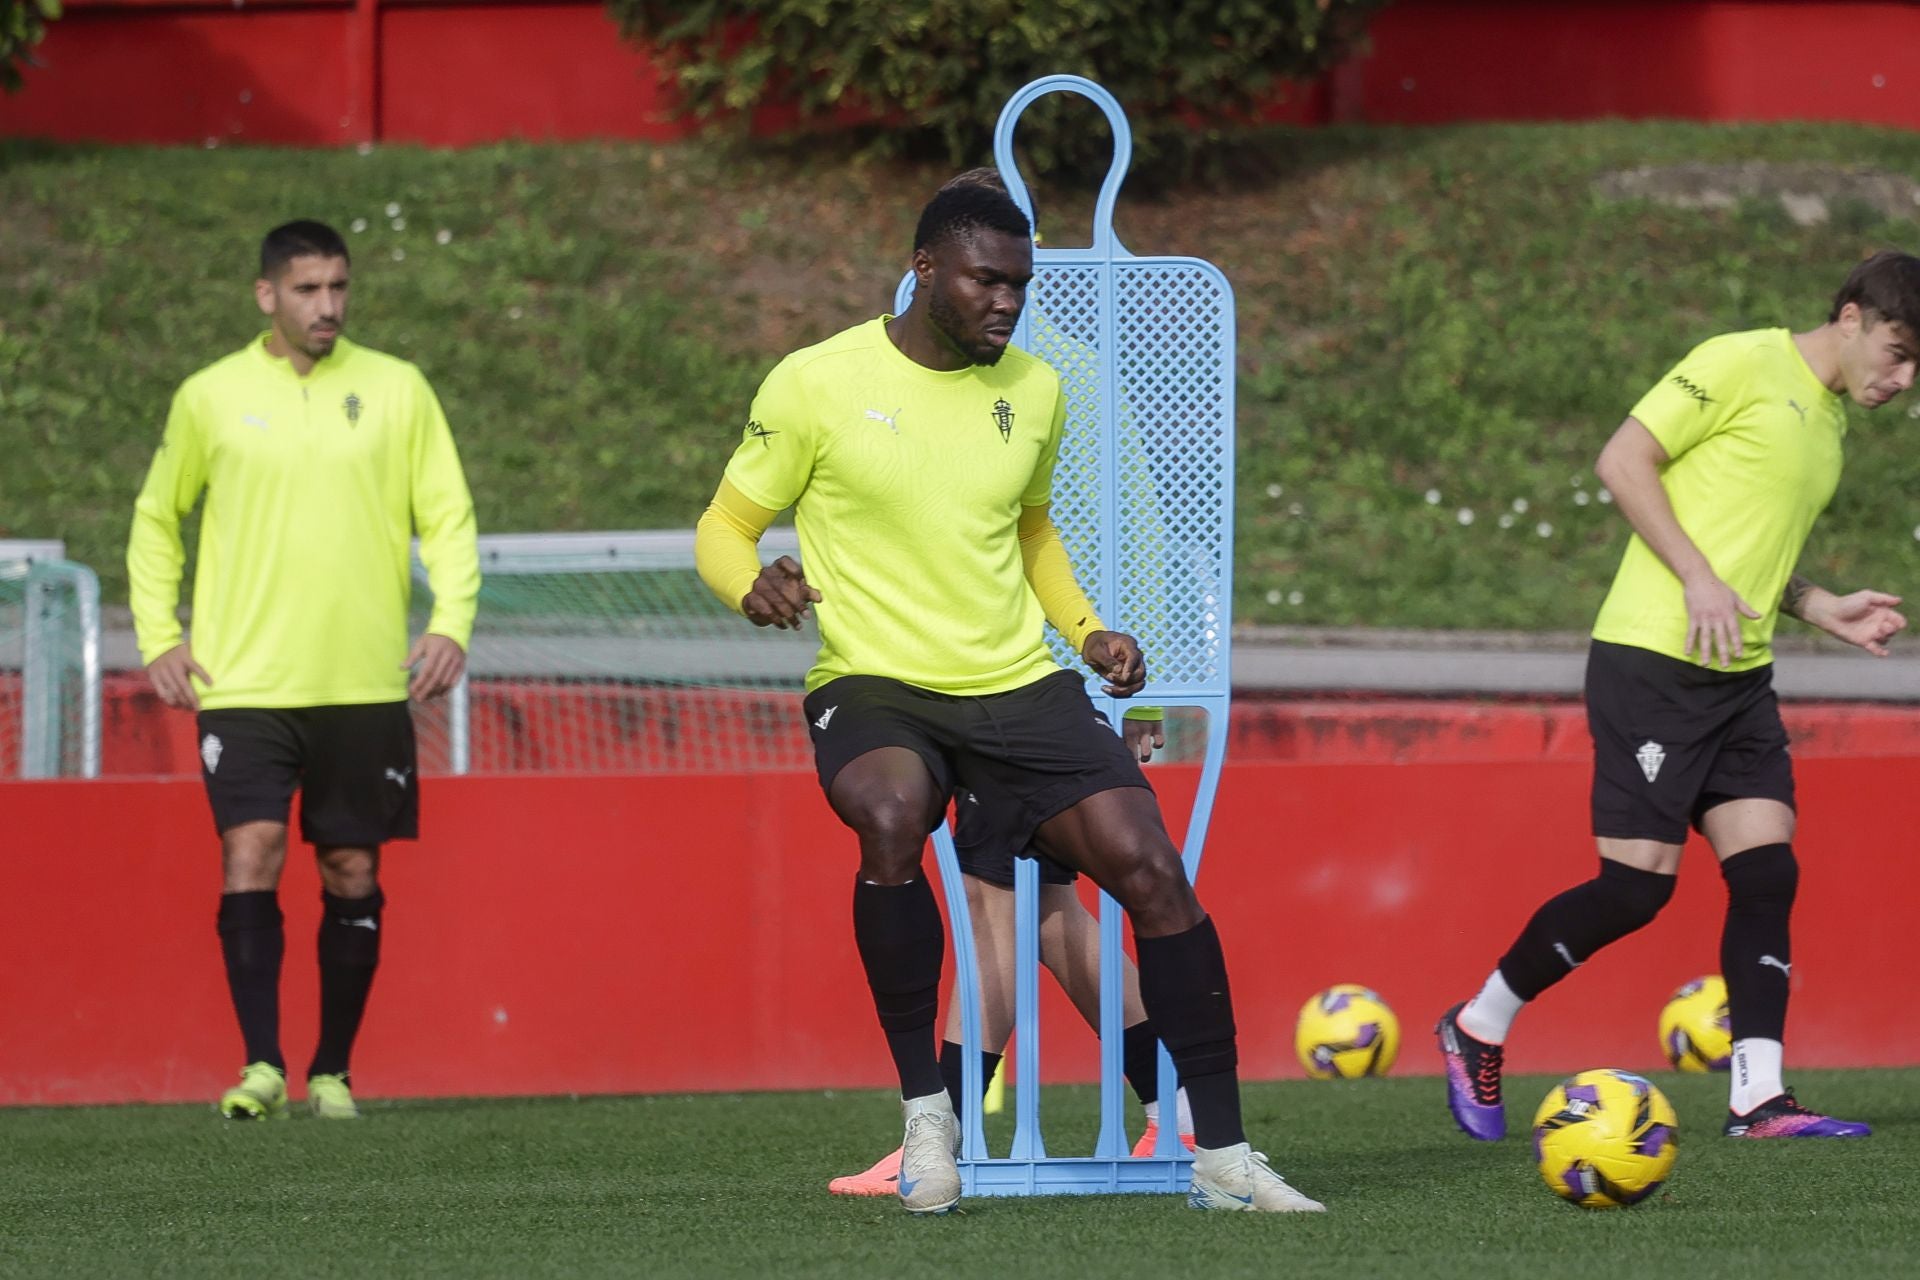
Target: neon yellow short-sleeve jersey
{"points": [[314, 488], [907, 485], [1754, 440]]}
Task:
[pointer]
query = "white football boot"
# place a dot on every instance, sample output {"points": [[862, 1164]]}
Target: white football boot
{"points": [[1239, 1178], [929, 1174]]}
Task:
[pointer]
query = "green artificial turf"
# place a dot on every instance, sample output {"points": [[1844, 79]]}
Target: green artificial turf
{"points": [[735, 1185]]}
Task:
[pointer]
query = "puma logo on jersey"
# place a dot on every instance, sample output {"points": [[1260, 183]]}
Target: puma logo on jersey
{"points": [[825, 716], [891, 419], [1651, 756], [364, 922], [399, 776], [210, 749], [1778, 963], [1795, 406], [255, 420]]}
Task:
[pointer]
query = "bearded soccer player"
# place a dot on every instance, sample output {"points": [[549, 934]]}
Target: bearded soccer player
{"points": [[1721, 470], [320, 460], [918, 452]]}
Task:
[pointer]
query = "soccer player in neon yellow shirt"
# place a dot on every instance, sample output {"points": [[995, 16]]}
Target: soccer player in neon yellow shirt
{"points": [[918, 453], [319, 459], [1721, 470], [1069, 933]]}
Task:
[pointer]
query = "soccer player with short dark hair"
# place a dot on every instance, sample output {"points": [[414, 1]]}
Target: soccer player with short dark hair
{"points": [[1721, 469], [1069, 933], [918, 453], [320, 459]]}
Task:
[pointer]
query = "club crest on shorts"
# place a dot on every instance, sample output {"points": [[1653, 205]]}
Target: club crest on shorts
{"points": [[210, 750], [1651, 756]]}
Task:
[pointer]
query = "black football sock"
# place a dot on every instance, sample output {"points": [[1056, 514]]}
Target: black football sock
{"points": [[1183, 983], [349, 955], [953, 1060], [897, 929], [1570, 928], [253, 942], [1140, 1059], [1756, 950]]}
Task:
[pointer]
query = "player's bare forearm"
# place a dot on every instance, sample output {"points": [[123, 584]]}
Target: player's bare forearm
{"points": [[1865, 618], [1630, 468], [1794, 600]]}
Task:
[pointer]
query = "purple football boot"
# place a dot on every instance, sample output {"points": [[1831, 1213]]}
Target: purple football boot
{"points": [[1784, 1117], [1473, 1080]]}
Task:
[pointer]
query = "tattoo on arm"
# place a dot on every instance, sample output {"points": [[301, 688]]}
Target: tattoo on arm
{"points": [[1798, 588]]}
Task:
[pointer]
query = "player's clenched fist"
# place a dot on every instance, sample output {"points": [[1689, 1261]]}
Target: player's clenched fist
{"points": [[780, 596], [1116, 657]]}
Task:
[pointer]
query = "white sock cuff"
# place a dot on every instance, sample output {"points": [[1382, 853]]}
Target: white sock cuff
{"points": [[1756, 1069], [1489, 1016]]}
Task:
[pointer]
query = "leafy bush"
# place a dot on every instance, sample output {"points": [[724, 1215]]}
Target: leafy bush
{"points": [[938, 72], [23, 24]]}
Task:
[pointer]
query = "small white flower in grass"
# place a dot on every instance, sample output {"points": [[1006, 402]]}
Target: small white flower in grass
{"points": [[211, 143], [1433, 497], [1582, 498], [399, 255], [1274, 491], [1915, 411], [1296, 597], [1520, 506], [1916, 533], [1578, 481], [514, 313], [1275, 597], [365, 148], [1606, 497], [1464, 515], [1544, 529], [443, 236], [358, 225], [1295, 510], [1506, 519], [393, 208], [399, 224]]}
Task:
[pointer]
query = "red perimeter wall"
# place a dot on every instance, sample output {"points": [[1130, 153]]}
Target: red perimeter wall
{"points": [[606, 934], [326, 72]]}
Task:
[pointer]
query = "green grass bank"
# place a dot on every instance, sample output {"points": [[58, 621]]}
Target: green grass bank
{"points": [[1439, 328]]}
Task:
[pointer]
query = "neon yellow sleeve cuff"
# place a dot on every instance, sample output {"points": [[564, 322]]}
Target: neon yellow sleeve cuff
{"points": [[726, 542], [1050, 574]]}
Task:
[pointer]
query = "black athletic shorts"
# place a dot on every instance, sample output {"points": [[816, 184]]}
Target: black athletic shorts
{"points": [[1672, 739], [1014, 759], [986, 852], [353, 767]]}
